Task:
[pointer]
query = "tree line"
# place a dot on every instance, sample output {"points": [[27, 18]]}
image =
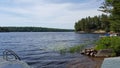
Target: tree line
{"points": [[110, 21], [32, 29], [90, 24]]}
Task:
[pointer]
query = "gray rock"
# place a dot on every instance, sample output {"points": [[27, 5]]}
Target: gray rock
{"points": [[104, 53]]}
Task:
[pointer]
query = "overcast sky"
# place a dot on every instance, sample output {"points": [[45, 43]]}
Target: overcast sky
{"points": [[46, 13]]}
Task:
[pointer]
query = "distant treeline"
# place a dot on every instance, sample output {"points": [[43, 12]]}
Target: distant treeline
{"points": [[32, 29], [90, 24]]}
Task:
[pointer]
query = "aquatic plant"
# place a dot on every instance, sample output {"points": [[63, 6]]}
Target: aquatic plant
{"points": [[76, 48], [73, 49]]}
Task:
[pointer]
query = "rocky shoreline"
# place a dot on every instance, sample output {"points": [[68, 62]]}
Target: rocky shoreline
{"points": [[91, 52], [91, 58]]}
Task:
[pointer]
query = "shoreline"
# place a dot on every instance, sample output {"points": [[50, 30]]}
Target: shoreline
{"points": [[92, 58], [90, 33]]}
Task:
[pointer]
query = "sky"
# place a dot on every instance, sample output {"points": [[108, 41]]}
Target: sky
{"points": [[46, 13]]}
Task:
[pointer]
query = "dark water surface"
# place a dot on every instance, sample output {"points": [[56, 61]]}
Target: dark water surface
{"points": [[41, 49]]}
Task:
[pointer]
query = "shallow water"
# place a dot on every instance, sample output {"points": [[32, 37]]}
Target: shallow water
{"points": [[41, 49]]}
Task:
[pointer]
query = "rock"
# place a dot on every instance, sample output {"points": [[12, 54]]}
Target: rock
{"points": [[104, 53], [92, 54], [89, 52]]}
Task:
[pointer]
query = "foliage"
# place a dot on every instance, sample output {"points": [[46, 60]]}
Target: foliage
{"points": [[112, 7], [108, 22], [103, 43], [109, 43], [32, 29], [90, 24]]}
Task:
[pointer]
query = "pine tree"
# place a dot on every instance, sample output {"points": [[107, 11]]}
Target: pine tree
{"points": [[113, 8]]}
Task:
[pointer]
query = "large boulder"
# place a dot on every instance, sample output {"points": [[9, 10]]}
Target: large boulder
{"points": [[104, 53]]}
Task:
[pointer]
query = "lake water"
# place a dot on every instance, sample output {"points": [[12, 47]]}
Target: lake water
{"points": [[41, 49]]}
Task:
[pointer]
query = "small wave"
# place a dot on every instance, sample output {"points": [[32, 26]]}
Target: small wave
{"points": [[10, 42]]}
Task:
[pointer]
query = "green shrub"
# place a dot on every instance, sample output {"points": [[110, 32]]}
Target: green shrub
{"points": [[113, 54], [109, 43]]}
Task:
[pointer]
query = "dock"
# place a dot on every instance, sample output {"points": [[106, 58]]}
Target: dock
{"points": [[113, 62]]}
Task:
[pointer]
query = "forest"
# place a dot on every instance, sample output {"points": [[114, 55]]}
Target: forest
{"points": [[91, 24], [32, 29], [109, 21]]}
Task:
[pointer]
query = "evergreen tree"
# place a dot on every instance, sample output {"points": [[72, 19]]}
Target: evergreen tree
{"points": [[113, 8], [91, 24]]}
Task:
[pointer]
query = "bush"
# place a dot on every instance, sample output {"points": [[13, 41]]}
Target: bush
{"points": [[109, 43]]}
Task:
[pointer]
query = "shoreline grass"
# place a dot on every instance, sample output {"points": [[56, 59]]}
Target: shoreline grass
{"points": [[73, 49]]}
